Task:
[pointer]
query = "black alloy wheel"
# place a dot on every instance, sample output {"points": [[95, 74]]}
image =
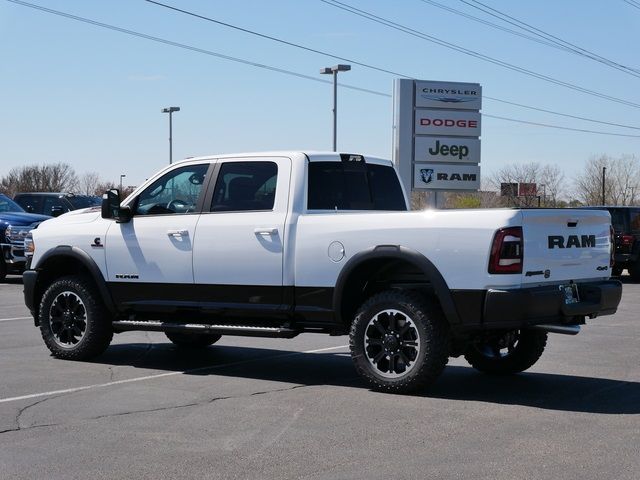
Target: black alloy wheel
{"points": [[74, 322], [507, 352], [399, 341]]}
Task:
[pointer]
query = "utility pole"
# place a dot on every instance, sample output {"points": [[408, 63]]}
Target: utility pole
{"points": [[604, 171]]}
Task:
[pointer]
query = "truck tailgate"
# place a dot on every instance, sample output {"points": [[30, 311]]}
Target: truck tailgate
{"points": [[565, 244]]}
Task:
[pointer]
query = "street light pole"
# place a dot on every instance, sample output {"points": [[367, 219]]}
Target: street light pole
{"points": [[170, 111], [334, 71], [604, 171], [121, 177]]}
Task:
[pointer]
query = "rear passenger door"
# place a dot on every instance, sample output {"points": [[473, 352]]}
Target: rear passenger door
{"points": [[239, 240]]}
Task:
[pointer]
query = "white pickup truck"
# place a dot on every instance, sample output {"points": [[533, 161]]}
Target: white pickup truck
{"points": [[278, 244]]}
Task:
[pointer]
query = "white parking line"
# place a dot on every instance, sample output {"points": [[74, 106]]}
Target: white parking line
{"points": [[15, 318], [161, 375]]}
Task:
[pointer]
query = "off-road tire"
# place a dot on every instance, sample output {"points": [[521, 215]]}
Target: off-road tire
{"points": [[78, 295], [524, 354], [428, 326], [192, 340]]}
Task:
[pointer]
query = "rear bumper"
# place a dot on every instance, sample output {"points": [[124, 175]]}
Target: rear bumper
{"points": [[621, 259], [539, 305]]}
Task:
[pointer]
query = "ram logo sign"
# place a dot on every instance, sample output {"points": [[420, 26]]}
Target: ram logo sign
{"points": [[446, 177], [572, 241]]}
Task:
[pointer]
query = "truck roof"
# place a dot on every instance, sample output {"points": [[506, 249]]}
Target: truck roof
{"points": [[295, 155]]}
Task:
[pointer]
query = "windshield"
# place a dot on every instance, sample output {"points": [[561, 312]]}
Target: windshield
{"points": [[8, 205], [84, 201]]}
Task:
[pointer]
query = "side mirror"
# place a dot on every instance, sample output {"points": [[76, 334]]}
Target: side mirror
{"points": [[29, 208], [111, 207], [57, 211]]}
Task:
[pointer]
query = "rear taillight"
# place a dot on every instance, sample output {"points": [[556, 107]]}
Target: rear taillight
{"points": [[507, 251], [612, 247], [626, 240]]}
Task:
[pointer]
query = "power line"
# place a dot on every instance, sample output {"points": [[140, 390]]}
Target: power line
{"points": [[559, 127], [267, 67], [632, 3], [190, 47], [369, 66], [493, 25], [586, 119], [541, 39], [274, 39], [449, 45], [552, 38]]}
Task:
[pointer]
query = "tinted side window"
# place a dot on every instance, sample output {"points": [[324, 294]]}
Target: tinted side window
{"points": [[31, 203], [618, 220], [243, 186], [50, 202], [175, 192], [635, 220], [353, 186], [387, 193]]}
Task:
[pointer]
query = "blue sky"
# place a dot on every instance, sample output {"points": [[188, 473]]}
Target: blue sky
{"points": [[81, 94]]}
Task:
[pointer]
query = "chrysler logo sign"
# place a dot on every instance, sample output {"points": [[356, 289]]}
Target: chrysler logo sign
{"points": [[458, 96]]}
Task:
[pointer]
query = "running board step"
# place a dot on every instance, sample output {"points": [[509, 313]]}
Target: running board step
{"points": [[241, 330], [561, 329]]}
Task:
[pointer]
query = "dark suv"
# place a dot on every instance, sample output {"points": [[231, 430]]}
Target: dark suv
{"points": [[15, 223], [626, 225], [54, 204]]}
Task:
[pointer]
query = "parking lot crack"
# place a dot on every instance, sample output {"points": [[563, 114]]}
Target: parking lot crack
{"points": [[196, 404], [150, 410], [18, 416], [20, 413]]}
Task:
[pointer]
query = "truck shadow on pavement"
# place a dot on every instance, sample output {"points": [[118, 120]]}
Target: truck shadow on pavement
{"points": [[532, 389]]}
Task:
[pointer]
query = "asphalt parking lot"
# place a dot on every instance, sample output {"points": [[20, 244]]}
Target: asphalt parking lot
{"points": [[288, 409]]}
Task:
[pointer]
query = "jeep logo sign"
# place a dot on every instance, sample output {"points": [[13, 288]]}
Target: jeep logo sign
{"points": [[447, 122], [447, 149], [433, 176]]}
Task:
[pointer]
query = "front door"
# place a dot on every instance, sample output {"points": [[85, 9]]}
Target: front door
{"points": [[149, 259]]}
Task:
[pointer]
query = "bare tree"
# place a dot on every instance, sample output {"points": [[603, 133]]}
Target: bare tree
{"points": [[102, 187], [88, 183], [552, 182], [57, 177], [518, 173], [622, 179]]}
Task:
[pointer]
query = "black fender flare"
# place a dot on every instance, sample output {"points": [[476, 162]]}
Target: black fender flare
{"points": [[398, 252], [89, 263]]}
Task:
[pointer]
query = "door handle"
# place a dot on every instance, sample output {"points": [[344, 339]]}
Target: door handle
{"points": [[178, 233], [266, 231]]}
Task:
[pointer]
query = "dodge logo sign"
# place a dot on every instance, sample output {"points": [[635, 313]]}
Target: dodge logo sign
{"points": [[447, 122]]}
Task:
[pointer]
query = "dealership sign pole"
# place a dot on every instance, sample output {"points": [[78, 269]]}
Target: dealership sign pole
{"points": [[436, 130]]}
